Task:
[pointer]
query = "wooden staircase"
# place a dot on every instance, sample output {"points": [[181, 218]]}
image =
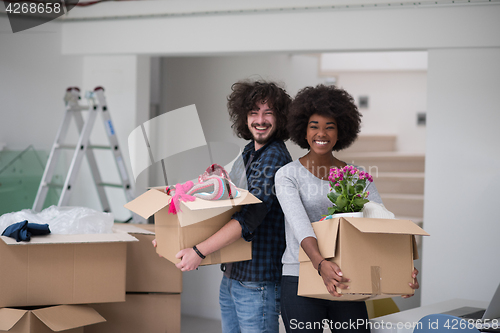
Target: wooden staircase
{"points": [[399, 177]]}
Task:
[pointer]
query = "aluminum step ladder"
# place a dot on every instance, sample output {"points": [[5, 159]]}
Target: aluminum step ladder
{"points": [[96, 104]]}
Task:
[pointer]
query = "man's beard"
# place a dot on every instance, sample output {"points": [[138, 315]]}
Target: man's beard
{"points": [[262, 140]]}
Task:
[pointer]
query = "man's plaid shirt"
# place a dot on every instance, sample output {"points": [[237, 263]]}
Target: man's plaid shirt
{"points": [[263, 224]]}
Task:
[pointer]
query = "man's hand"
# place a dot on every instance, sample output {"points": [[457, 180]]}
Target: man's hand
{"points": [[154, 245], [413, 285], [190, 260], [333, 277]]}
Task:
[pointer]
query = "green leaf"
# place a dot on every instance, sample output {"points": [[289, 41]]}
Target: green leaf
{"points": [[359, 188], [359, 202], [361, 182], [348, 190], [332, 210], [333, 196], [341, 202]]}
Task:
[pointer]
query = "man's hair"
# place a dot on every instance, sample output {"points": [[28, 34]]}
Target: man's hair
{"points": [[328, 101], [244, 98]]}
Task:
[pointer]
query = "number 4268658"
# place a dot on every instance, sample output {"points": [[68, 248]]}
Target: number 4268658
{"points": [[33, 8]]}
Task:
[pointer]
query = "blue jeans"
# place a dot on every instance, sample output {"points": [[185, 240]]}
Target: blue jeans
{"points": [[248, 307]]}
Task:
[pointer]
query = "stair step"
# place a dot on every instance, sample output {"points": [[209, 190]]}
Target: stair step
{"points": [[404, 204], [400, 182], [376, 163], [370, 143]]}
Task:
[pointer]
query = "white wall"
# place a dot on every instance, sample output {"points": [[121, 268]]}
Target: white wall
{"points": [[395, 98], [125, 79], [33, 79], [462, 176]]}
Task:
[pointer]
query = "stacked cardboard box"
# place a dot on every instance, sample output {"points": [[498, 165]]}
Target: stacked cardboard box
{"points": [[153, 300], [60, 269]]}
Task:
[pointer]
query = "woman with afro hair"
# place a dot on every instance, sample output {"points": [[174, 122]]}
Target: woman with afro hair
{"points": [[322, 119]]}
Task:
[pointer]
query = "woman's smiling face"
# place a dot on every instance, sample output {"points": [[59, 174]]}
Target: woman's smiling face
{"points": [[321, 134]]}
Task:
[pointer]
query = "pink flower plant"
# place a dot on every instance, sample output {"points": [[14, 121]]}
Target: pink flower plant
{"points": [[348, 189]]}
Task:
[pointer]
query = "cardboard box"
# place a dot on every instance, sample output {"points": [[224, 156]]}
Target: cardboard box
{"points": [[146, 271], [63, 269], [67, 318], [196, 221], [151, 313], [376, 254]]}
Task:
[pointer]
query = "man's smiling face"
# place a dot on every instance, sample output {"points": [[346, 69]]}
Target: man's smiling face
{"points": [[261, 123]]}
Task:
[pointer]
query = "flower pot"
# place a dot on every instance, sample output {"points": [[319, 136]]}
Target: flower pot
{"points": [[350, 214]]}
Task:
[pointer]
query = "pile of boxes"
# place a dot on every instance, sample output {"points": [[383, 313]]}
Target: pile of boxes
{"points": [[111, 282], [97, 283], [153, 287], [45, 283]]}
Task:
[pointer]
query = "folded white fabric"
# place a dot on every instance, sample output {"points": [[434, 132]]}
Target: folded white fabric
{"points": [[376, 211]]}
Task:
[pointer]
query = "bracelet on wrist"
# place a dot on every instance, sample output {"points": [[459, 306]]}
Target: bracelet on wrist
{"points": [[319, 266], [198, 252]]}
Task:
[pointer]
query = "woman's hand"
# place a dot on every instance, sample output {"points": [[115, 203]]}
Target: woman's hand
{"points": [[333, 277], [415, 284], [190, 260]]}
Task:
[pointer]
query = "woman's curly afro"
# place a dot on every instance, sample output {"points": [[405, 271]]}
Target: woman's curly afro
{"points": [[327, 101]]}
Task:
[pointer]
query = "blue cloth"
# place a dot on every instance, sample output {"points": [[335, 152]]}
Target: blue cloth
{"points": [[249, 307], [263, 224], [23, 231]]}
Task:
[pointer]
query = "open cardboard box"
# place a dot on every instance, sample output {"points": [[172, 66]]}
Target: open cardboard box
{"points": [[196, 221], [67, 318], [146, 271], [375, 254], [63, 269]]}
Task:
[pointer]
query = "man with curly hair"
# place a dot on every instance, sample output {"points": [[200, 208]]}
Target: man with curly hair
{"points": [[250, 290]]}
